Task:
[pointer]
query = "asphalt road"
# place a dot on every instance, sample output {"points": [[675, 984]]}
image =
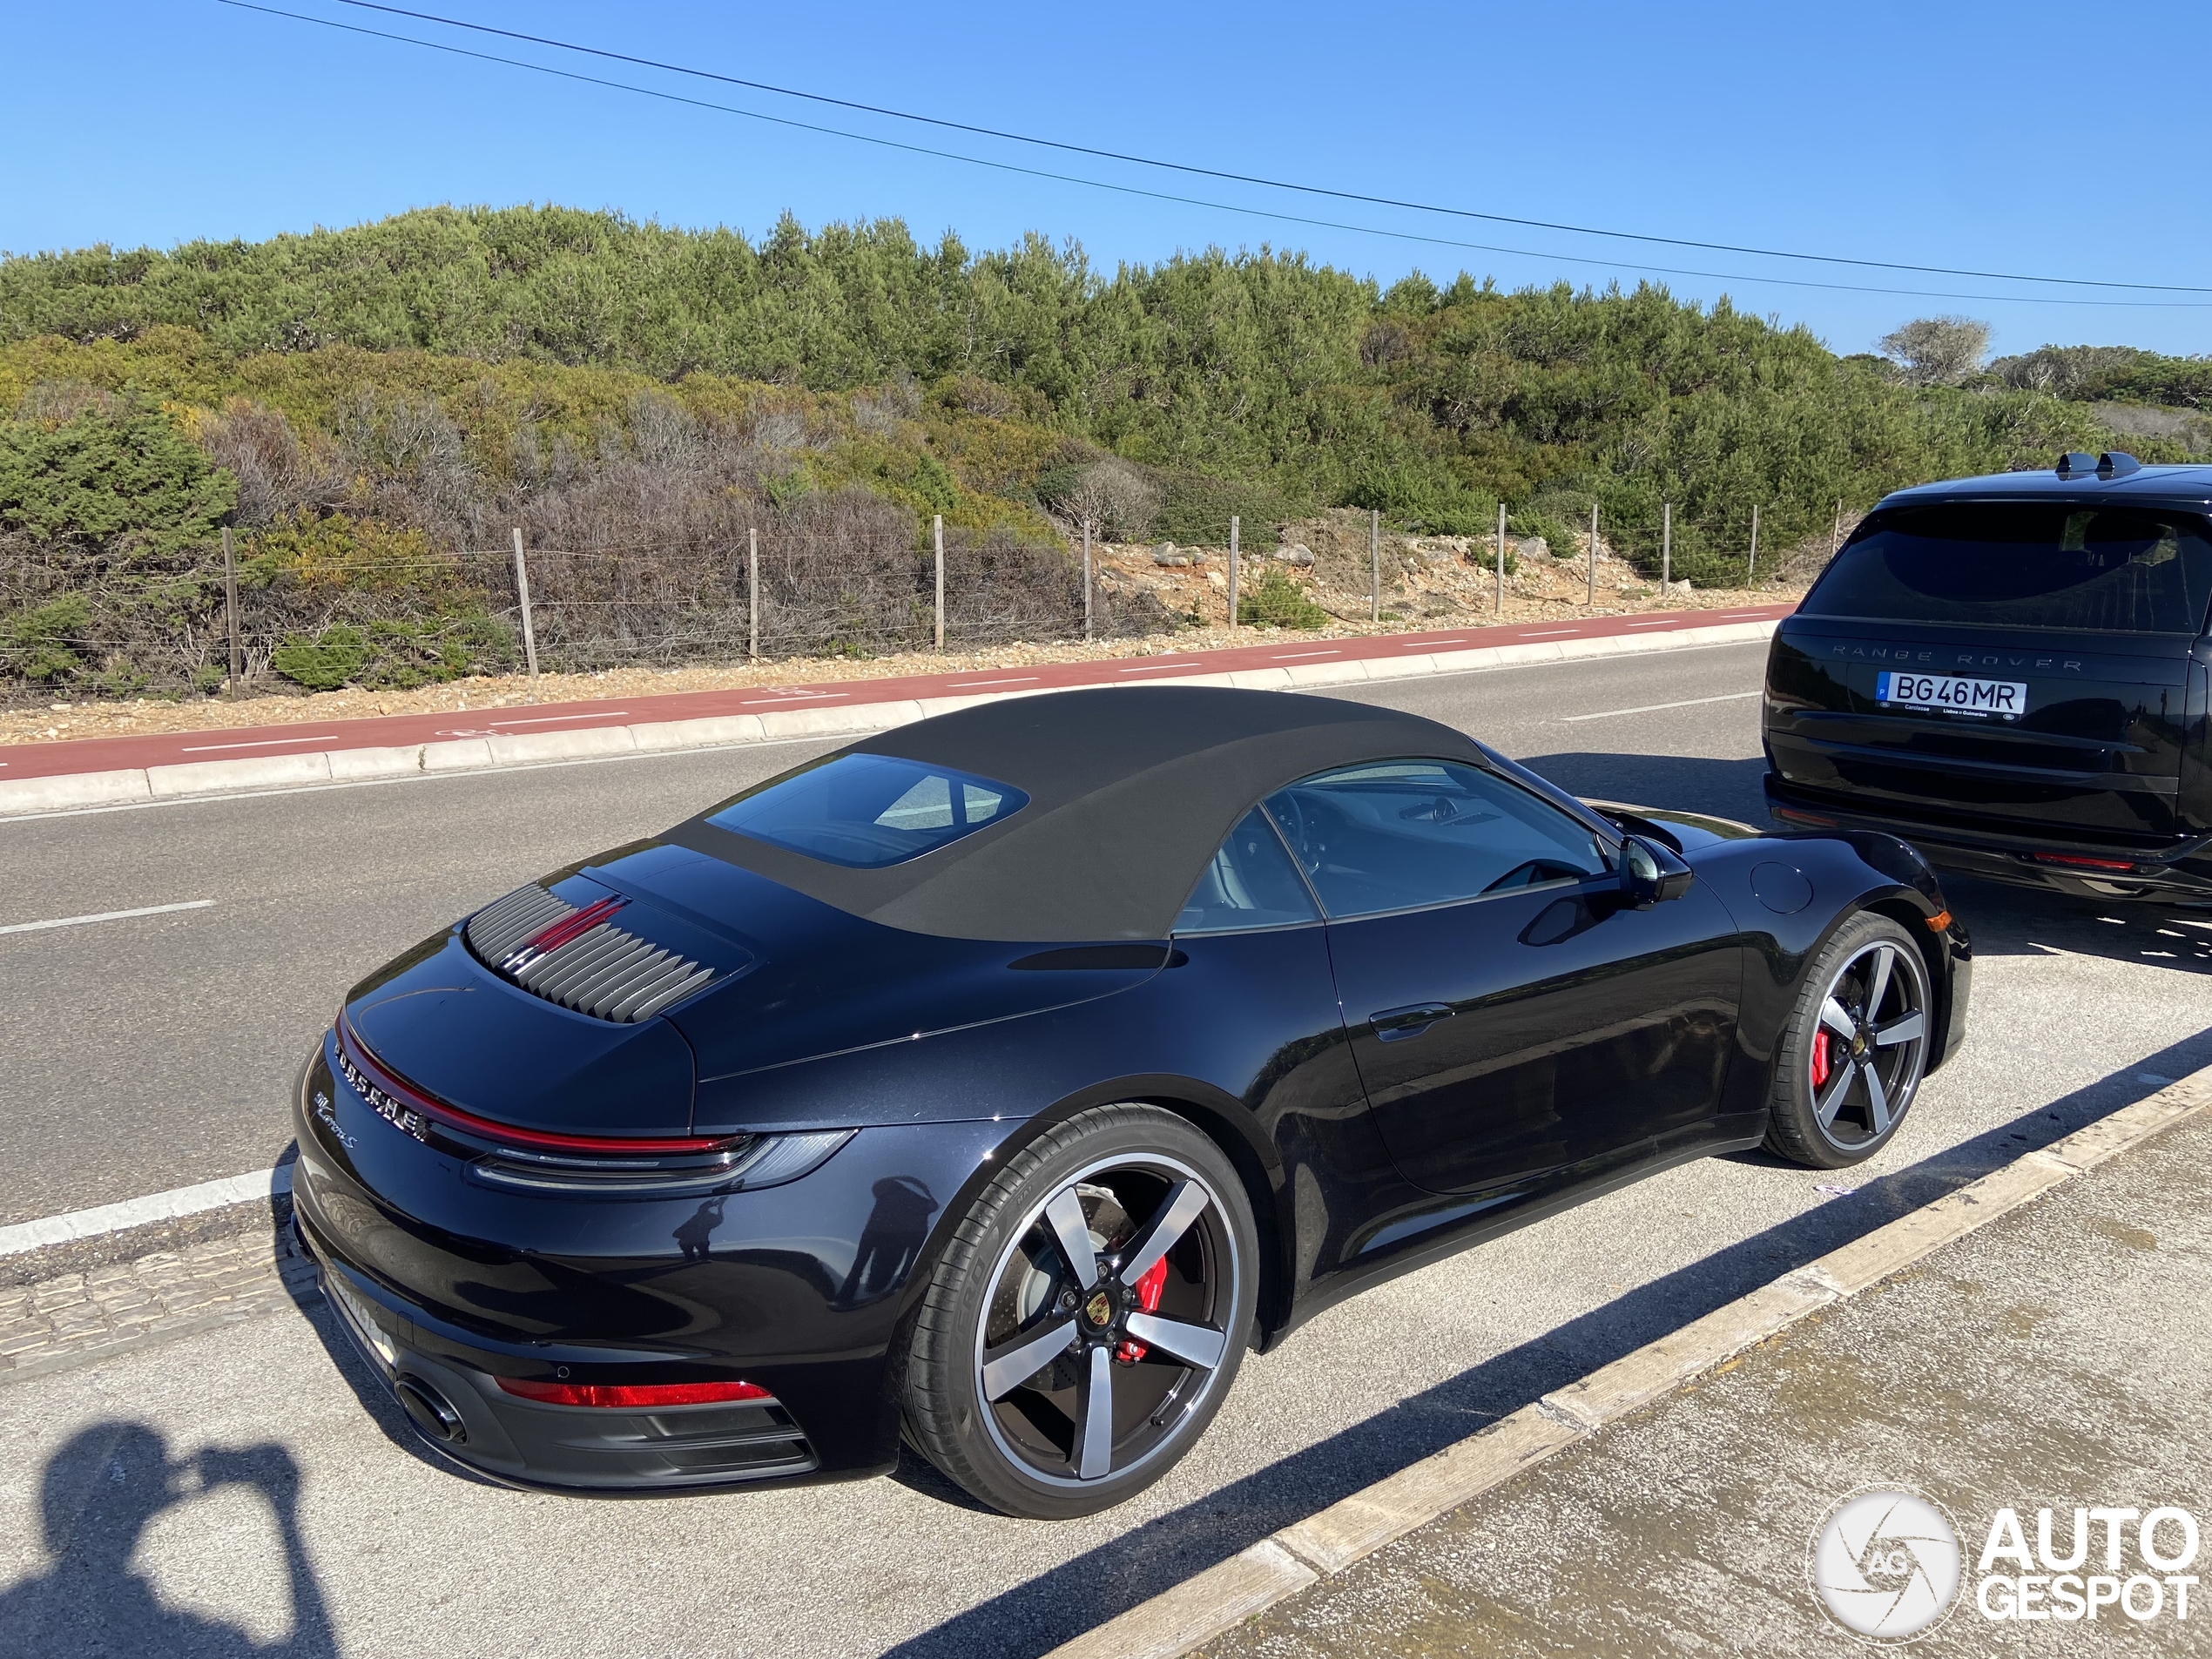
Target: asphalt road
{"points": [[141, 1055]]}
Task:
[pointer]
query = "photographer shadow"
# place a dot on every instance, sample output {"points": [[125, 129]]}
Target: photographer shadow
{"points": [[98, 1494]]}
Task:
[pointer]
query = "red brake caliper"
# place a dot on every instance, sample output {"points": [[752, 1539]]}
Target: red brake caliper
{"points": [[1148, 1290], [1820, 1057]]}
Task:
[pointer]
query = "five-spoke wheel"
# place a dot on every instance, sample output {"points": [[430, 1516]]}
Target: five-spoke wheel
{"points": [[1856, 1048], [1103, 1287]]}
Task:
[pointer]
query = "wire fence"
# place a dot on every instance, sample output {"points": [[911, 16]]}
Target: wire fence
{"points": [[137, 622], [128, 625]]}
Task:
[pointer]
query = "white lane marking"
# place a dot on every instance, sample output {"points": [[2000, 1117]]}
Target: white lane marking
{"points": [[1547, 633], [264, 743], [1155, 668], [796, 697], [1294, 656], [1670, 622], [1760, 614], [1018, 679], [1653, 708], [549, 719], [137, 1212], [107, 915]]}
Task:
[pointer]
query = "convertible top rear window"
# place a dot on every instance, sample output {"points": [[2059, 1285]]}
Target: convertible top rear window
{"points": [[2060, 565], [868, 811]]}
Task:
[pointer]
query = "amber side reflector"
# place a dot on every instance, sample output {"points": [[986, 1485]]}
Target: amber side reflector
{"points": [[635, 1396], [1938, 921], [2081, 863]]}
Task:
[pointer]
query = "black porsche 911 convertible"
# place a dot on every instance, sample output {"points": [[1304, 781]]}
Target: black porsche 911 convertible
{"points": [[996, 1083]]}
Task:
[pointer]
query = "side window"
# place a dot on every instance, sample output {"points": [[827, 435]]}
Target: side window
{"points": [[1397, 834], [1249, 883]]}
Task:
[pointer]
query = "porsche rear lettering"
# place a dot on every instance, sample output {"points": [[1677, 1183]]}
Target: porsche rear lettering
{"points": [[405, 1119]]}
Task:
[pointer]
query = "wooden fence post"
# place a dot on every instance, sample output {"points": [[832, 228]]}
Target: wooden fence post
{"points": [[523, 592], [1374, 564], [1752, 567], [1501, 561], [753, 591], [1233, 526], [1593, 598], [1086, 578], [230, 607], [1666, 548], [937, 530], [1836, 536]]}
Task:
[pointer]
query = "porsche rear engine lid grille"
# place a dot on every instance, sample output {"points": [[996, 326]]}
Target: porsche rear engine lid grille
{"points": [[578, 958]]}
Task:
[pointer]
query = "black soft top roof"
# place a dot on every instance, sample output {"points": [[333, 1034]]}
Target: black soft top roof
{"points": [[1131, 789]]}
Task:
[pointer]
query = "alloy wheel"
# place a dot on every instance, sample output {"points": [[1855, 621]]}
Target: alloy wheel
{"points": [[1105, 1323], [1868, 1052]]}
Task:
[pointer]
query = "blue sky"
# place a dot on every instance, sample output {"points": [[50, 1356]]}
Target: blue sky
{"points": [[2014, 138]]}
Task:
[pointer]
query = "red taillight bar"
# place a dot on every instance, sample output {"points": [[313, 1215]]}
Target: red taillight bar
{"points": [[2084, 863], [636, 1396], [488, 1129]]}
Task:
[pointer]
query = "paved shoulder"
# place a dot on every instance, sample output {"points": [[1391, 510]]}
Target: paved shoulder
{"points": [[2060, 1360]]}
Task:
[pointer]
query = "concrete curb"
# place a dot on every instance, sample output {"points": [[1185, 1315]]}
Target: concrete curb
{"points": [[31, 1250], [76, 791], [1178, 1620]]}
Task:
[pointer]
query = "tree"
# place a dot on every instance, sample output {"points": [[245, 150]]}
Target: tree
{"points": [[1937, 351]]}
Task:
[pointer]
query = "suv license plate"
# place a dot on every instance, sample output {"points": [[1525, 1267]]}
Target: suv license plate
{"points": [[2005, 699]]}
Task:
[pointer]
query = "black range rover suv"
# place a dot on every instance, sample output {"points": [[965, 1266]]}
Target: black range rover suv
{"points": [[2011, 673]]}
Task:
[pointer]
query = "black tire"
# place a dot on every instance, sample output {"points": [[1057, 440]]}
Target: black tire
{"points": [[1007, 1285], [1826, 1113]]}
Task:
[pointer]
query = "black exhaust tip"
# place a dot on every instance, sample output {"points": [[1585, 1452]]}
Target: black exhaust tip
{"points": [[431, 1412]]}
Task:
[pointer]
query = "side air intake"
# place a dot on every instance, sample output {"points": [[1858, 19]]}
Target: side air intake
{"points": [[578, 958]]}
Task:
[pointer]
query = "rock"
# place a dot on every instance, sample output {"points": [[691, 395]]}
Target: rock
{"points": [[1217, 580], [1167, 553], [1530, 547], [1295, 553]]}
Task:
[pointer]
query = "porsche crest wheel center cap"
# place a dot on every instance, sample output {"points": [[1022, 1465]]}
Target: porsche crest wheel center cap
{"points": [[1099, 1311]]}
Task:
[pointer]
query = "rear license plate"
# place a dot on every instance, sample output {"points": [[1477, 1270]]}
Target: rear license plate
{"points": [[2000, 699], [357, 1315]]}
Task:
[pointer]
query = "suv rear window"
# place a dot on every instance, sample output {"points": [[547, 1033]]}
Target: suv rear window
{"points": [[2060, 565]]}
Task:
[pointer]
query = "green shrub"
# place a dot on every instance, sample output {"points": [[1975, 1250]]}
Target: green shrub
{"points": [[102, 477], [1416, 498], [1275, 601], [39, 639], [1197, 508], [332, 658]]}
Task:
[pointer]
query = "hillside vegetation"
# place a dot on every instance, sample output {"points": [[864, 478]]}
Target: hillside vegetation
{"points": [[369, 407]]}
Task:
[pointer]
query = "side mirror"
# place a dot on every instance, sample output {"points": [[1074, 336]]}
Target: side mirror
{"points": [[1651, 874]]}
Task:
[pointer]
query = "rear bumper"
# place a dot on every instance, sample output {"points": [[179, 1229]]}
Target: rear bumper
{"points": [[454, 1400], [2054, 863], [446, 1285]]}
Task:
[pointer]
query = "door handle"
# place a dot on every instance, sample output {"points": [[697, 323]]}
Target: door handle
{"points": [[1394, 1024]]}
